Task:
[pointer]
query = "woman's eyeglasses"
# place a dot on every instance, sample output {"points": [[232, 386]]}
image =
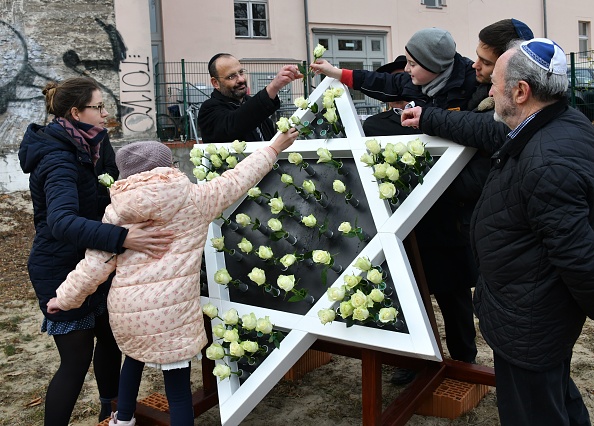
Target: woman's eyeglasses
{"points": [[100, 106]]}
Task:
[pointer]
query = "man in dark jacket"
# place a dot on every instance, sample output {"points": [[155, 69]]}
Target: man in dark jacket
{"points": [[532, 231], [231, 113]]}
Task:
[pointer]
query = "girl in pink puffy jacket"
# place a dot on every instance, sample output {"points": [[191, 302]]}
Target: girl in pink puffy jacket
{"points": [[154, 304]]}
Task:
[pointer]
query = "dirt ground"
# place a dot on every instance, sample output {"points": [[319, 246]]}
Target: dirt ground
{"points": [[330, 395]]}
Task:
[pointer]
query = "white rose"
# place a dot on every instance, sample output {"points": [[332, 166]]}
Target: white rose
{"points": [[400, 148], [210, 310], [387, 190], [416, 147], [250, 346], [301, 102], [276, 205], [231, 335], [243, 219], [223, 153], [390, 157], [338, 186], [231, 161], [392, 173], [326, 315], [199, 173], [336, 294], [211, 149], [345, 227], [319, 51], [373, 146], [236, 350], [222, 277], [222, 371], [105, 179], [337, 92], [379, 170], [286, 179], [231, 317], [275, 224], [309, 186], [245, 245], [286, 282], [408, 159], [264, 325], [309, 221], [215, 351], [288, 259], [249, 321], [324, 154], [295, 158], [346, 309], [219, 330], [330, 115], [321, 256], [294, 119], [360, 314], [238, 146], [264, 252], [363, 264], [351, 281], [218, 243], [376, 295], [387, 314], [212, 175], [216, 160], [374, 276], [283, 125], [367, 159], [358, 299], [254, 192], [196, 153], [258, 276], [196, 161]]}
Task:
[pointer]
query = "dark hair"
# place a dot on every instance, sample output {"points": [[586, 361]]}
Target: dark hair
{"points": [[76, 92], [212, 66], [498, 35]]}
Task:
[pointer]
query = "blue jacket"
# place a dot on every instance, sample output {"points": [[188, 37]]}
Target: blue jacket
{"points": [[66, 213]]}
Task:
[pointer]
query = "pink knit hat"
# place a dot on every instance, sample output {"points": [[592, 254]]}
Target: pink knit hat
{"points": [[142, 156]]}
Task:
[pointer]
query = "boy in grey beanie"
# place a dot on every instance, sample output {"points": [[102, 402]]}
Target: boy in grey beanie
{"points": [[432, 48]]}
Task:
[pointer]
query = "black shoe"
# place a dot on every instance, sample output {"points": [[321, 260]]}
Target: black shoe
{"points": [[402, 376]]}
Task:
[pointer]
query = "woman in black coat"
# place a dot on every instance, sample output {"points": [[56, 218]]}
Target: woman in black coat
{"points": [[61, 159]]}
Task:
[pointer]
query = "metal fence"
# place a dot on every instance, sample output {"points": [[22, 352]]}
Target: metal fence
{"points": [[580, 72], [181, 87]]}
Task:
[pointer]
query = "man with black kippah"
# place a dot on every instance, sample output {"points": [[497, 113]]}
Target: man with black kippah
{"points": [[231, 113]]}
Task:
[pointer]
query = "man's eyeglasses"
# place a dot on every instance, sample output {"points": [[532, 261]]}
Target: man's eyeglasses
{"points": [[100, 106], [235, 75]]}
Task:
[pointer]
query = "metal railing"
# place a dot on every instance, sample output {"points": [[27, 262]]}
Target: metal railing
{"points": [[580, 72]]}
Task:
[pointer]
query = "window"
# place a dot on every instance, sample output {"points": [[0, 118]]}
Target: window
{"points": [[251, 19], [433, 3], [584, 38]]}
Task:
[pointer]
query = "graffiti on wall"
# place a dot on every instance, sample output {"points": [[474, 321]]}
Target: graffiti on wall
{"points": [[134, 103]]}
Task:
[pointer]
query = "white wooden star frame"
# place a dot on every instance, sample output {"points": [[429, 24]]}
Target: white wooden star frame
{"points": [[235, 401]]}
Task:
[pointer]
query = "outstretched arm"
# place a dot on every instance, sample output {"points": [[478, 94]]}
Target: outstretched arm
{"points": [[322, 66], [286, 75]]}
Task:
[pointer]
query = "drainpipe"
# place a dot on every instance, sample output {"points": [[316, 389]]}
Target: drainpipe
{"points": [[544, 17], [307, 82]]}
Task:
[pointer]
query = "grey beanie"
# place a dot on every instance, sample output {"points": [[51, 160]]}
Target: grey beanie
{"points": [[432, 48], [142, 156]]}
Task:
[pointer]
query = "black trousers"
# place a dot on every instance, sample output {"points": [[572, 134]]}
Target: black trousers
{"points": [[547, 398], [458, 319]]}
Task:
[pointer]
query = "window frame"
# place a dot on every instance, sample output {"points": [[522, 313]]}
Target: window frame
{"points": [[434, 4], [584, 38], [251, 20]]}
